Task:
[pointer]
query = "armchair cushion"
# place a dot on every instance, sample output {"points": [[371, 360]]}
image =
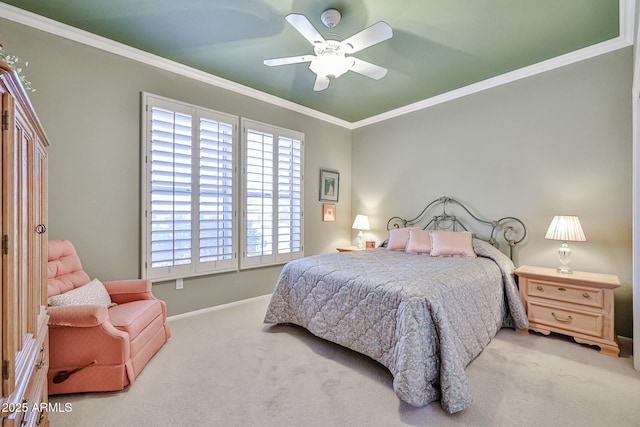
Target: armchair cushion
{"points": [[64, 269], [135, 316], [93, 293]]}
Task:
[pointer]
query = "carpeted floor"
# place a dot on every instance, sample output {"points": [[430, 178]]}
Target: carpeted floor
{"points": [[226, 368]]}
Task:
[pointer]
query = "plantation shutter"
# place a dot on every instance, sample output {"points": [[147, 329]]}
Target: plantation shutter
{"points": [[272, 195], [289, 195], [190, 193], [216, 196], [170, 213], [259, 199], [189, 217]]}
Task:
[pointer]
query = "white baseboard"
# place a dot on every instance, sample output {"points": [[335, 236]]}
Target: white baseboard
{"points": [[214, 308]]}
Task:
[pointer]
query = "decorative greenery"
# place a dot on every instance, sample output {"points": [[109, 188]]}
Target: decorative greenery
{"points": [[15, 62]]}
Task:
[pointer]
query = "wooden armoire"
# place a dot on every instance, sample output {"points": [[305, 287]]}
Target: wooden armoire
{"points": [[23, 299]]}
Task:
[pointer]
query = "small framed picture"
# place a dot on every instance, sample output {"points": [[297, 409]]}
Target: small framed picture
{"points": [[329, 185], [328, 212], [370, 244]]}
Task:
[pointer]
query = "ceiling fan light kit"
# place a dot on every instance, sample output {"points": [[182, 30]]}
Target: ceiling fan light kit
{"points": [[330, 60]]}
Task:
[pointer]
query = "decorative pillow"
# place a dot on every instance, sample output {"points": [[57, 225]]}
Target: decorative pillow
{"points": [[93, 293], [419, 241], [451, 243], [398, 238]]}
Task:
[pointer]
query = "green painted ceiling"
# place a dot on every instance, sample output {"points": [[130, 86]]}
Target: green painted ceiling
{"points": [[437, 46]]}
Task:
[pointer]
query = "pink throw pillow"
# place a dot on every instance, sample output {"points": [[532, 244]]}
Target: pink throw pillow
{"points": [[419, 241], [451, 243], [398, 238]]}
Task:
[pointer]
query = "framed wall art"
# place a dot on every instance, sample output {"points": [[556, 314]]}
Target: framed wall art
{"points": [[329, 185], [328, 212]]}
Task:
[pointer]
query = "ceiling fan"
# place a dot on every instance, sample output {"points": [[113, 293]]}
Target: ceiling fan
{"points": [[330, 60]]}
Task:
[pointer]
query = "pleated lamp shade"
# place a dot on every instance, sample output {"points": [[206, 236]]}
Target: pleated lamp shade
{"points": [[566, 228]]}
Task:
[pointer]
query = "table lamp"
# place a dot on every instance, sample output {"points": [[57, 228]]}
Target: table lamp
{"points": [[566, 228], [361, 223]]}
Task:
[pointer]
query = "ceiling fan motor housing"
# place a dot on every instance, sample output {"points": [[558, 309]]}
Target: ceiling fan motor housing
{"points": [[330, 18]]}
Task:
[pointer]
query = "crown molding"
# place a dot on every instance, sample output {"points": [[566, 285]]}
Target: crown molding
{"points": [[625, 38]]}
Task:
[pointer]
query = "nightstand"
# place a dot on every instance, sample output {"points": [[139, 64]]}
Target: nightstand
{"points": [[350, 249], [578, 304]]}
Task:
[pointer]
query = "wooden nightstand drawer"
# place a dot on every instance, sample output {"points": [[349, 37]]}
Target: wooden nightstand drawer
{"points": [[583, 322], [589, 296], [579, 304]]}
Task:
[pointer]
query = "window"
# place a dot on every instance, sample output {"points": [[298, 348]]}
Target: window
{"points": [[189, 210], [272, 196], [190, 196]]}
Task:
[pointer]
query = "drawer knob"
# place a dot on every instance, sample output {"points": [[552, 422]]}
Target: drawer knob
{"points": [[540, 288], [560, 319], [586, 295]]}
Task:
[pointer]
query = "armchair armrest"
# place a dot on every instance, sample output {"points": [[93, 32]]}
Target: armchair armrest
{"points": [[82, 333], [123, 291], [81, 316]]}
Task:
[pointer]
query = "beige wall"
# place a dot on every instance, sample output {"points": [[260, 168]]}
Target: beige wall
{"points": [[555, 143], [89, 103]]}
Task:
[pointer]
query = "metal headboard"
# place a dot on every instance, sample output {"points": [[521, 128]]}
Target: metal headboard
{"points": [[511, 227]]}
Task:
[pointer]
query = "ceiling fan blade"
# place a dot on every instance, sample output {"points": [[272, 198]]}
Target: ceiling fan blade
{"points": [[289, 60], [368, 69], [378, 32], [304, 27], [321, 83]]}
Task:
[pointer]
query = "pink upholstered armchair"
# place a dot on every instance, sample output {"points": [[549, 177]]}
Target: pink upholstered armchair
{"points": [[116, 342]]}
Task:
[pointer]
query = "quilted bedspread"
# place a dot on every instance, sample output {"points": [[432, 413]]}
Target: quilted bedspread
{"points": [[424, 318]]}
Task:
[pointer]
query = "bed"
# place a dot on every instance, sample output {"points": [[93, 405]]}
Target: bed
{"points": [[424, 316]]}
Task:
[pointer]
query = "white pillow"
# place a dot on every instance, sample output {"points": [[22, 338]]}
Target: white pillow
{"points": [[93, 293]]}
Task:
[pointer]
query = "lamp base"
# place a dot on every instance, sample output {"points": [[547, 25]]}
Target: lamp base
{"points": [[564, 269], [564, 253]]}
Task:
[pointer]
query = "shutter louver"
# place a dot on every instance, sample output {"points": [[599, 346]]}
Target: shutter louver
{"points": [[170, 188]]}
